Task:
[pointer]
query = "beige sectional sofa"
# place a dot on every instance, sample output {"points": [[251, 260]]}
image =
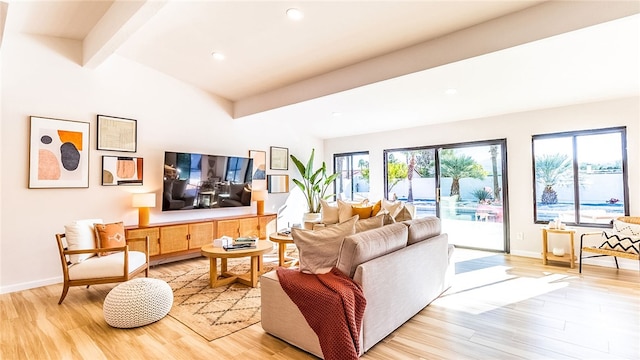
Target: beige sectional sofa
{"points": [[401, 267]]}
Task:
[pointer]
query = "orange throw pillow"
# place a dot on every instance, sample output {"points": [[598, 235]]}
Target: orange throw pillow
{"points": [[110, 236], [364, 212], [376, 208]]}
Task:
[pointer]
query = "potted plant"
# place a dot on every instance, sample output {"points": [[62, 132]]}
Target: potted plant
{"points": [[313, 183]]}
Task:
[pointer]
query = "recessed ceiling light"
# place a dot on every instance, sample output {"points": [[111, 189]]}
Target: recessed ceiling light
{"points": [[451, 91], [336, 114], [295, 14], [217, 55]]}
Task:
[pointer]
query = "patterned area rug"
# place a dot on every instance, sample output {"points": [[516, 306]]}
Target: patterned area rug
{"points": [[217, 312]]}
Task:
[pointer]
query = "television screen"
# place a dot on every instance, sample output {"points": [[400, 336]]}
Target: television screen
{"points": [[199, 181]]}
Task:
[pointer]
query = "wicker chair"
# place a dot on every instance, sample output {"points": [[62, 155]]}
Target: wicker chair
{"points": [[607, 252]]}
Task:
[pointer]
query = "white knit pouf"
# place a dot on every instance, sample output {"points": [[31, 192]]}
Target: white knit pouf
{"points": [[137, 302]]}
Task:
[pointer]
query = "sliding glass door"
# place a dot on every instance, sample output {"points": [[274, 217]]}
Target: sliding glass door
{"points": [[471, 188], [463, 184]]}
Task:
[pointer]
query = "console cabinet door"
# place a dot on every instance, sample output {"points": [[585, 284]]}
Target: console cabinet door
{"points": [[249, 227], [200, 234], [174, 238], [264, 222], [154, 239], [228, 228]]}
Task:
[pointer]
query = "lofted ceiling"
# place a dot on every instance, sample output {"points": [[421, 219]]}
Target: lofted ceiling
{"points": [[352, 67]]}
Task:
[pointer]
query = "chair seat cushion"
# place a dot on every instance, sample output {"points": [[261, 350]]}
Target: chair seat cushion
{"points": [[137, 302], [106, 266]]}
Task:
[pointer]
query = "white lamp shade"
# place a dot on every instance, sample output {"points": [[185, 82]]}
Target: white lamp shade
{"points": [[143, 200], [259, 195]]}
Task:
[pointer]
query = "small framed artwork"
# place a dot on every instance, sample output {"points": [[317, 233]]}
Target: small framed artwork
{"points": [[117, 134], [279, 158], [58, 153], [278, 183], [121, 170], [258, 175]]}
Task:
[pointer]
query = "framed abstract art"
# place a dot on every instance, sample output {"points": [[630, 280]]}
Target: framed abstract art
{"points": [[58, 153], [121, 170]]}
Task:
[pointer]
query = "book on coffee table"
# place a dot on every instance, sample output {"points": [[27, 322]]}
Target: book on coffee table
{"points": [[245, 240], [239, 247]]}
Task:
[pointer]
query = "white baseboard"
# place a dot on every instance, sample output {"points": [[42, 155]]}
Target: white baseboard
{"points": [[30, 285], [607, 261]]}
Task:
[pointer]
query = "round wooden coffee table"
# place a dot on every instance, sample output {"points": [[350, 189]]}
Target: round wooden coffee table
{"points": [[282, 241], [250, 278]]}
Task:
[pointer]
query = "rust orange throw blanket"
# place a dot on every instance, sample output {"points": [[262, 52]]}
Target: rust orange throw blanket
{"points": [[332, 304]]}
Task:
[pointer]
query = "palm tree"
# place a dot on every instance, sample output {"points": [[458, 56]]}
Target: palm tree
{"points": [[552, 170], [458, 167], [410, 169], [493, 150]]}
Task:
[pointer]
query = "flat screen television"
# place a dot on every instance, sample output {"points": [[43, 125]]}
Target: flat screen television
{"points": [[200, 181]]}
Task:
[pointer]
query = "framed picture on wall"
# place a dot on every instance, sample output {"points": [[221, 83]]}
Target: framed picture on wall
{"points": [[279, 158], [58, 153], [117, 134], [259, 173], [121, 170]]}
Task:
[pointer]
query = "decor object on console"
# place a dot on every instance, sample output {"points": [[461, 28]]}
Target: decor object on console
{"points": [[313, 183], [117, 134], [415, 251], [58, 154], [82, 267], [279, 158], [623, 240], [121, 170], [259, 196], [137, 302], [143, 202]]}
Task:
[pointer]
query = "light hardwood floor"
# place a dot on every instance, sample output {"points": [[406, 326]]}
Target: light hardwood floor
{"points": [[500, 307]]}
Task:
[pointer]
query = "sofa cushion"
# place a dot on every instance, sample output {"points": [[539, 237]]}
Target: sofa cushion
{"points": [[110, 236], [329, 212], [80, 235], [373, 222], [318, 249], [361, 247], [420, 229]]}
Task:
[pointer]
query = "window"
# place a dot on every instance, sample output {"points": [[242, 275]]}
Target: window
{"points": [[353, 181], [580, 177]]}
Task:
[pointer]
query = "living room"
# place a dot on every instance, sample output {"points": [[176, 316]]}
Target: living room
{"points": [[42, 76]]}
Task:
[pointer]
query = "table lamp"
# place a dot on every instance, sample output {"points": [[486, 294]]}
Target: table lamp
{"points": [[143, 202], [259, 196]]}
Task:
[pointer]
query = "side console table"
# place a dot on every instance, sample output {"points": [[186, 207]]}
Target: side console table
{"points": [[548, 255]]}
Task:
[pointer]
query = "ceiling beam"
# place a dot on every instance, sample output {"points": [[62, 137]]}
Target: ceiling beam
{"points": [[534, 23], [121, 21], [4, 6]]}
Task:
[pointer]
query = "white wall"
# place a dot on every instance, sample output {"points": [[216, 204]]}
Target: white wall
{"points": [[517, 129], [41, 77]]}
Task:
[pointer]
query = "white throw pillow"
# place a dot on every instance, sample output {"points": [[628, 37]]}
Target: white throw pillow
{"points": [[81, 235], [329, 213], [622, 237], [318, 249], [392, 207]]}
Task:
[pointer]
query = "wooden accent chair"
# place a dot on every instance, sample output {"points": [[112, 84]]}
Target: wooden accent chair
{"points": [[606, 251], [120, 265]]}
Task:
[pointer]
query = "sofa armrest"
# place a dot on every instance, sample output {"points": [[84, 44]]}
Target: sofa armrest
{"points": [[398, 285]]}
